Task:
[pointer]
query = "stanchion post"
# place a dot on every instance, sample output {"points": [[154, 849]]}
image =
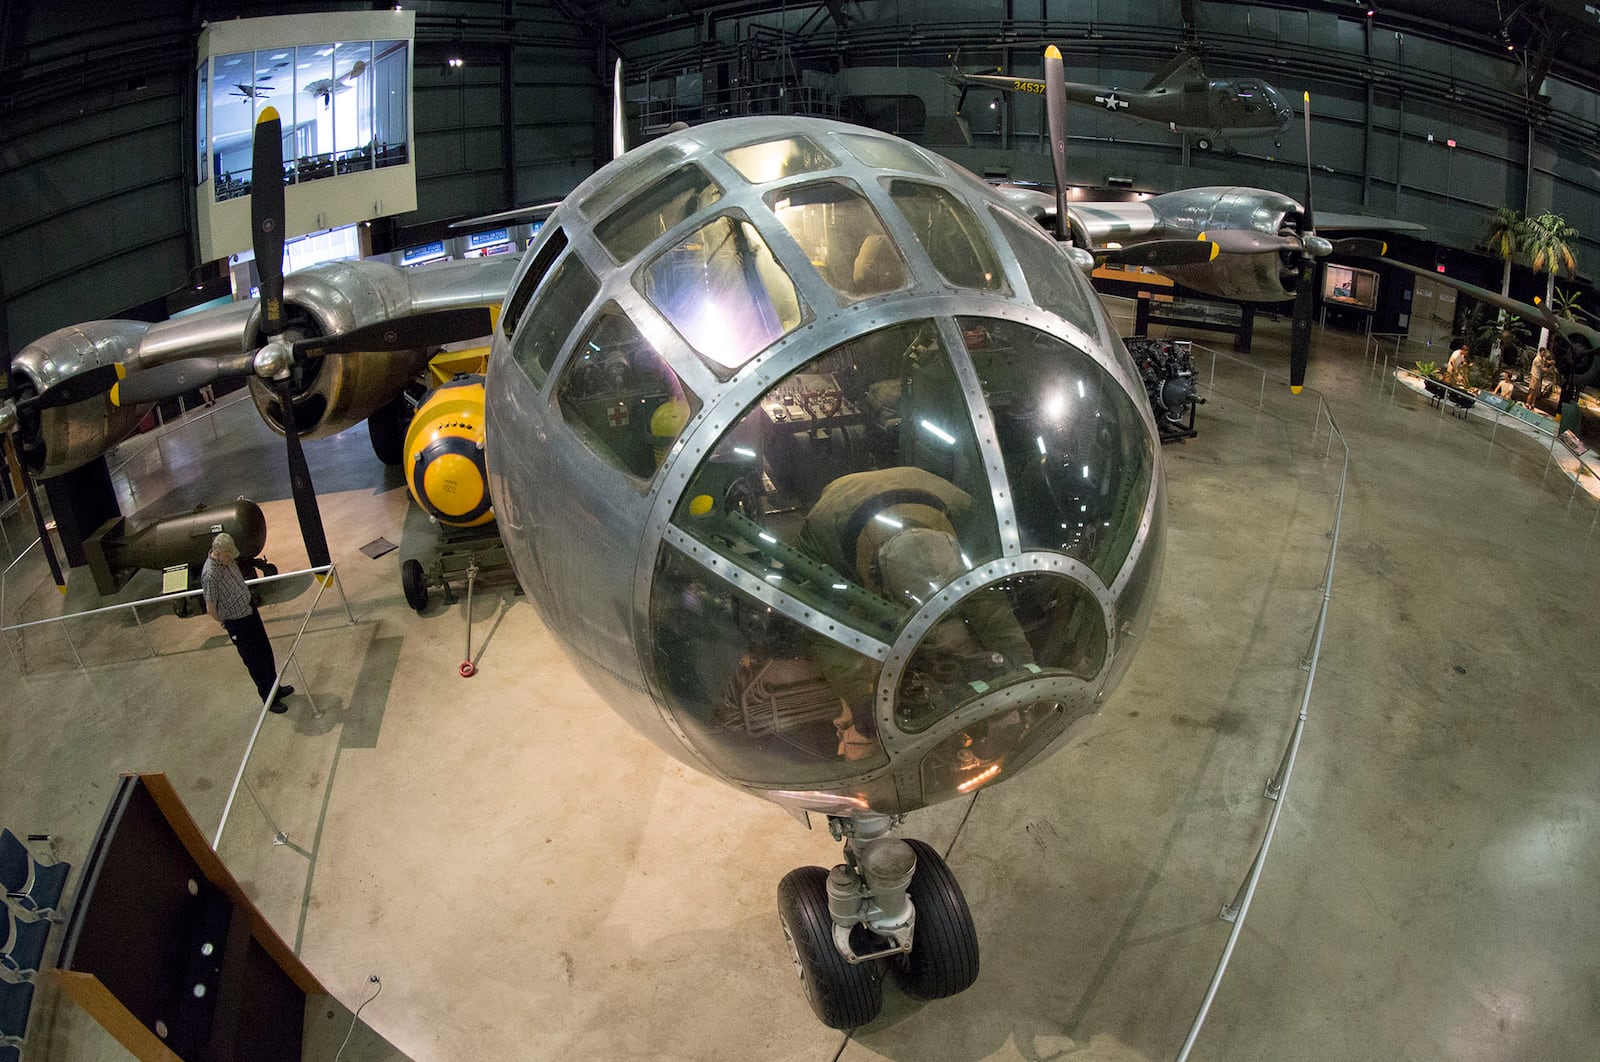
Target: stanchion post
{"points": [[278, 836], [333, 570], [140, 621], [68, 632]]}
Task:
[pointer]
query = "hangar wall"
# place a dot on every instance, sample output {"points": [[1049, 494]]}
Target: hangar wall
{"points": [[97, 118], [1377, 96]]}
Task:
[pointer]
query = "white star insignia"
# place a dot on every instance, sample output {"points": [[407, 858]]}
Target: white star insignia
{"points": [[1111, 101]]}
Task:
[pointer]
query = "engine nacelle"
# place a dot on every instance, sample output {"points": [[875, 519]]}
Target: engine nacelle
{"points": [[53, 441], [1251, 277], [444, 462], [333, 393]]}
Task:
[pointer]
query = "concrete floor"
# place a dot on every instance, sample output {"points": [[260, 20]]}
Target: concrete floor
{"points": [[531, 880]]}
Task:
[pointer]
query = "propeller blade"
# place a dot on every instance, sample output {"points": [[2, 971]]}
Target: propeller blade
{"points": [[1311, 225], [305, 495], [432, 329], [1360, 247], [1249, 241], [175, 378], [1300, 333], [1055, 106], [1160, 252], [91, 383], [38, 522], [266, 217]]}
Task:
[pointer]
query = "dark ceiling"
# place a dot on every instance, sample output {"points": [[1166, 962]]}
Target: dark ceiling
{"points": [[1549, 36]]}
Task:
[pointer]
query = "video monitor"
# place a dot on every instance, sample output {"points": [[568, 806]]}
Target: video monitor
{"points": [[1345, 286]]}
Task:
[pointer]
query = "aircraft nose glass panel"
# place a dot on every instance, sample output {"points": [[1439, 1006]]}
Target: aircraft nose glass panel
{"points": [[813, 487], [621, 397], [551, 317], [1029, 626], [1054, 283], [763, 698], [667, 201], [1077, 454], [723, 291], [843, 237], [950, 233], [776, 159], [882, 153]]}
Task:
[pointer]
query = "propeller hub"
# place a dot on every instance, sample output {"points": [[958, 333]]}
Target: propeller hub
{"points": [[274, 360], [1318, 246]]}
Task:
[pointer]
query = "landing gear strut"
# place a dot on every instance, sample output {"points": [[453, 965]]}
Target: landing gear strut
{"points": [[893, 903]]}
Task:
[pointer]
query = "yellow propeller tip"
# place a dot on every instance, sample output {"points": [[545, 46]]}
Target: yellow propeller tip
{"points": [[268, 114], [1306, 95], [1295, 389], [116, 396], [122, 370], [1216, 249], [1385, 249], [1052, 52], [62, 589]]}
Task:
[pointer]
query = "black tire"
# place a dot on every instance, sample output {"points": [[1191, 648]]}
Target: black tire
{"points": [[386, 429], [944, 949], [414, 584], [843, 996], [1204, 144]]}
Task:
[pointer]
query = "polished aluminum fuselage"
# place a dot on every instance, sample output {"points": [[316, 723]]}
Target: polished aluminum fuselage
{"points": [[321, 300], [585, 540]]}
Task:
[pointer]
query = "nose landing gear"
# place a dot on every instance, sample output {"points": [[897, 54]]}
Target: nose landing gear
{"points": [[893, 903]]}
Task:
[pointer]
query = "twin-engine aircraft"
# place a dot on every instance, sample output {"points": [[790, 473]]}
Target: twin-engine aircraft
{"points": [[1180, 97], [821, 460]]}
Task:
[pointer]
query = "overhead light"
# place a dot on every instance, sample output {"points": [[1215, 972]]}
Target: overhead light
{"points": [[1117, 181], [454, 60]]}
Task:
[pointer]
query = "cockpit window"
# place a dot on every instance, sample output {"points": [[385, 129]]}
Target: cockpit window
{"points": [[1077, 454], [635, 174], [621, 397], [1053, 281], [669, 200], [843, 236], [884, 154], [855, 484], [723, 291], [775, 159], [950, 233], [548, 252], [552, 317]]}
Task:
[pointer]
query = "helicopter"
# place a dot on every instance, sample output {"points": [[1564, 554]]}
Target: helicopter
{"points": [[1179, 97]]}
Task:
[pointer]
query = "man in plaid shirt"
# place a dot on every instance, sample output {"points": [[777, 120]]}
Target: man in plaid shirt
{"points": [[227, 600]]}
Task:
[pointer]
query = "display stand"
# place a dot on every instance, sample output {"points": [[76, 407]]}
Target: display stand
{"points": [[1236, 319]]}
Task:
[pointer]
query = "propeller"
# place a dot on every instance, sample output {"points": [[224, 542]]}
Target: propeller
{"points": [[1161, 252], [1055, 106], [1305, 293]]}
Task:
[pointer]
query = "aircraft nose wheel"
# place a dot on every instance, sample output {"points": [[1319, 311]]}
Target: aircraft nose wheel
{"points": [[944, 952], [843, 995]]}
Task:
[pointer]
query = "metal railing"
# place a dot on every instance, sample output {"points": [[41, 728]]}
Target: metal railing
{"points": [[330, 570], [278, 836], [1277, 787]]}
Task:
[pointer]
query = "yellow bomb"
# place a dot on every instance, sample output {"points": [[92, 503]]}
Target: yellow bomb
{"points": [[444, 455]]}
